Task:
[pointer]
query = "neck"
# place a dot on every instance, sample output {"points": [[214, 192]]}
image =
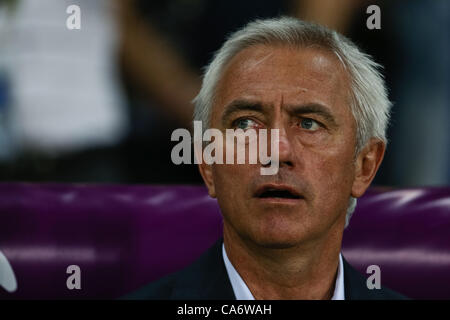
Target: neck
{"points": [[302, 272]]}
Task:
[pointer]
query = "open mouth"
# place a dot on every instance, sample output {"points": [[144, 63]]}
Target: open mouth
{"points": [[277, 193]]}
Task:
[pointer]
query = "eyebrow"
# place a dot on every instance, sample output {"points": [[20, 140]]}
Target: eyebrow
{"points": [[296, 110], [241, 105]]}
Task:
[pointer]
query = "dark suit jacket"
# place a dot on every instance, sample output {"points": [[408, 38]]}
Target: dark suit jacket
{"points": [[207, 278]]}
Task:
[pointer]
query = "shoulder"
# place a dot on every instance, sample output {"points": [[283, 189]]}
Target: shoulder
{"points": [[205, 278], [165, 287]]}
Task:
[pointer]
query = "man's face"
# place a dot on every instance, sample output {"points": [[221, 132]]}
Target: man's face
{"points": [[303, 93]]}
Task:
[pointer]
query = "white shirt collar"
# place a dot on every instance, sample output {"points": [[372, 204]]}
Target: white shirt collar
{"points": [[242, 292]]}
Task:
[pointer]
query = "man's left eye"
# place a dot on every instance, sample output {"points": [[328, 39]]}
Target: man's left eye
{"points": [[309, 124]]}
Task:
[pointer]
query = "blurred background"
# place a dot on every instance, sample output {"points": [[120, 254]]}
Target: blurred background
{"points": [[99, 104]]}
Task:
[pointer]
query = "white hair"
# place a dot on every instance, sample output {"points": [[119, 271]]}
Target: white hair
{"points": [[368, 98]]}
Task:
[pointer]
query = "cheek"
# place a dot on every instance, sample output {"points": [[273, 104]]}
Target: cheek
{"points": [[331, 171], [331, 182], [234, 175], [230, 181]]}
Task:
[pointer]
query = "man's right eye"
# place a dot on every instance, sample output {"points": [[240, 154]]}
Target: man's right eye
{"points": [[244, 123]]}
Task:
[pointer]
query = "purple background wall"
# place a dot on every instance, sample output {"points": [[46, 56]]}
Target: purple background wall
{"points": [[124, 236]]}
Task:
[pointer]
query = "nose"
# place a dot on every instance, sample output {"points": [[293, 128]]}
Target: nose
{"points": [[285, 149]]}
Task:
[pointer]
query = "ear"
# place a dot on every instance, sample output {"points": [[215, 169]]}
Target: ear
{"points": [[206, 173], [366, 166]]}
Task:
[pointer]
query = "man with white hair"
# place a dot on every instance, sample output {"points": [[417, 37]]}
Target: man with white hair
{"points": [[282, 233]]}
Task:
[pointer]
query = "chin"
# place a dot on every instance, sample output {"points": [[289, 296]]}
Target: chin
{"points": [[277, 238], [276, 245]]}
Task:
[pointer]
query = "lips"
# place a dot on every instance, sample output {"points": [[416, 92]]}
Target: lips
{"points": [[280, 192]]}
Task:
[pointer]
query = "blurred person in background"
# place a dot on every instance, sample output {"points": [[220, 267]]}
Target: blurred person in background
{"points": [[64, 93], [67, 119]]}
